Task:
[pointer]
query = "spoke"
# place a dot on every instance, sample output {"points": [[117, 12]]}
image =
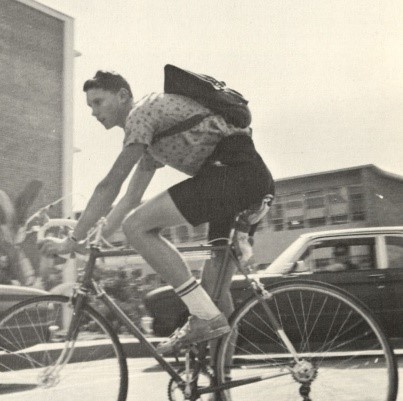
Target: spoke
{"points": [[336, 341]]}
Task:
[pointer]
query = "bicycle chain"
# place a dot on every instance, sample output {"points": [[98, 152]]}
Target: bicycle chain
{"points": [[172, 385]]}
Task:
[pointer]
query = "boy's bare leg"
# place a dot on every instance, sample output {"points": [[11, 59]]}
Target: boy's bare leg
{"points": [[143, 230], [222, 297]]}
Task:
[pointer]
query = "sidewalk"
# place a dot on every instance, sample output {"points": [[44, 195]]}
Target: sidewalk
{"points": [[133, 348], [83, 351]]}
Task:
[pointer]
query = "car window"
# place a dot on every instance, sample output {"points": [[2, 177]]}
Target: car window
{"points": [[339, 255], [394, 250]]}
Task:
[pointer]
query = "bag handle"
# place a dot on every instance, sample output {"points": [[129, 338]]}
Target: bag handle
{"points": [[180, 127]]}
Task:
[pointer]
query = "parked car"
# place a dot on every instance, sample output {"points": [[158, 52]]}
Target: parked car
{"points": [[367, 262]]}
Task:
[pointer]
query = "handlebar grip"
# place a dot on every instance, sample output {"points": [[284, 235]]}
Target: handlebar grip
{"points": [[54, 223]]}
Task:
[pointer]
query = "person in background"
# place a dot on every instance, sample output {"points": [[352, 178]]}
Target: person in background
{"points": [[342, 259]]}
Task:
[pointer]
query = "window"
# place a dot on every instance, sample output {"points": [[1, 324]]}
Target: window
{"points": [[317, 222], [321, 257], [317, 208], [341, 255], [357, 204], [336, 196], [183, 233], [276, 216], [337, 199], [200, 232], [394, 250], [294, 211], [295, 223], [278, 225], [315, 200], [315, 213], [313, 259], [295, 204], [339, 219]]}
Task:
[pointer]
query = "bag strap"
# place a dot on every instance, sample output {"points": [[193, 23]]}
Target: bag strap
{"points": [[180, 127]]}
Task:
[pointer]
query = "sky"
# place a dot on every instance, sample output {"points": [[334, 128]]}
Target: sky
{"points": [[324, 79]]}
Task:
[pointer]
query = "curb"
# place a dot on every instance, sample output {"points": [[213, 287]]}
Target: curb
{"points": [[132, 348], [83, 350]]}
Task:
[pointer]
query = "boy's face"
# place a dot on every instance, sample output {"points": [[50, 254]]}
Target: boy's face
{"points": [[106, 106]]}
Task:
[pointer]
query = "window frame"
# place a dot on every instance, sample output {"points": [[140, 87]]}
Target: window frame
{"points": [[317, 242], [383, 248]]}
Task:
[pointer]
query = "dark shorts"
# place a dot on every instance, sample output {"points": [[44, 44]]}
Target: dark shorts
{"points": [[233, 179]]}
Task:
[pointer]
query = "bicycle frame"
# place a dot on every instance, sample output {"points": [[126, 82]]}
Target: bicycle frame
{"points": [[302, 365], [89, 286]]}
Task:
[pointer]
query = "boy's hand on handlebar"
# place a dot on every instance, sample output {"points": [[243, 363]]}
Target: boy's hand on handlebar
{"points": [[57, 246]]}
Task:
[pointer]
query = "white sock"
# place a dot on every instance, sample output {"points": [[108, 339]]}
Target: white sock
{"points": [[197, 300]]}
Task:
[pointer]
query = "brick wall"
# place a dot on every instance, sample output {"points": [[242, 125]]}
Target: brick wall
{"points": [[31, 105]]}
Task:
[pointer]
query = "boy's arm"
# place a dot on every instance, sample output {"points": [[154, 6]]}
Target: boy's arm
{"points": [[135, 191], [108, 189]]}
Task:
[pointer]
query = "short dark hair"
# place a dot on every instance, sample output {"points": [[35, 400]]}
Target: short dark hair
{"points": [[107, 80]]}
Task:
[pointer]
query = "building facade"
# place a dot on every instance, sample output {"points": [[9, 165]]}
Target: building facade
{"points": [[361, 196], [36, 119], [36, 101]]}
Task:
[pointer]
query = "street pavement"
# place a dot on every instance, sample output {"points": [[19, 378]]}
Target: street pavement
{"points": [[153, 382], [147, 382]]}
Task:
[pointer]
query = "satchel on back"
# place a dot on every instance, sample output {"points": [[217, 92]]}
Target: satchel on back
{"points": [[209, 92]]}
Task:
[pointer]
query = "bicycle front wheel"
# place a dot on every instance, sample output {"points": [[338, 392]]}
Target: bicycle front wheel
{"points": [[329, 347], [37, 363]]}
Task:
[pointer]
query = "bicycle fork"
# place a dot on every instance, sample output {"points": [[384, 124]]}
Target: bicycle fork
{"points": [[50, 376], [303, 371]]}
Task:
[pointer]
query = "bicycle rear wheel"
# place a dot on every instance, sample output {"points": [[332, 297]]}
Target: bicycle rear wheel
{"points": [[36, 363], [342, 352]]}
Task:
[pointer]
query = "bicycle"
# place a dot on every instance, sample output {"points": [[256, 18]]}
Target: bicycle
{"points": [[313, 341]]}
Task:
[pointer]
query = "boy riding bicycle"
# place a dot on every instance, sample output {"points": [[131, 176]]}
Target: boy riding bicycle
{"points": [[227, 176]]}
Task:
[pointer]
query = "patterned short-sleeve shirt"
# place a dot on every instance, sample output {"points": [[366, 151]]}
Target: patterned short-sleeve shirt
{"points": [[185, 151]]}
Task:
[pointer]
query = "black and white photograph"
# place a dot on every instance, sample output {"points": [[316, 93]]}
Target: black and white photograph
{"points": [[201, 200]]}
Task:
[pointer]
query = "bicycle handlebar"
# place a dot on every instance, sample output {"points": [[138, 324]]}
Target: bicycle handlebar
{"points": [[54, 223], [94, 235]]}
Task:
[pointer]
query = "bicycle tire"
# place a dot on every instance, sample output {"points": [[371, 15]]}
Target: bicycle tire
{"points": [[32, 338], [344, 353]]}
